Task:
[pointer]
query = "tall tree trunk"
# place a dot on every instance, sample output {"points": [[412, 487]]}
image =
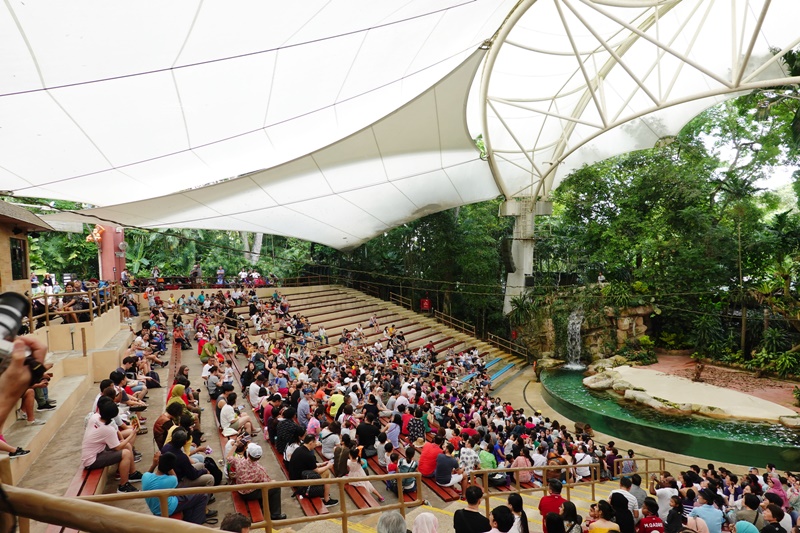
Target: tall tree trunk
{"points": [[255, 254], [246, 245], [251, 254]]}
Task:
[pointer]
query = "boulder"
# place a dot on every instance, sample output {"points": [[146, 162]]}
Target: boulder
{"points": [[711, 411], [621, 385], [790, 421], [637, 396], [602, 381]]}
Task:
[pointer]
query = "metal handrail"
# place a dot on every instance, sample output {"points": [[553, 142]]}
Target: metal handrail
{"points": [[453, 322]]}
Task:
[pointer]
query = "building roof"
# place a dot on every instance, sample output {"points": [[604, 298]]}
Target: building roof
{"points": [[21, 218]]}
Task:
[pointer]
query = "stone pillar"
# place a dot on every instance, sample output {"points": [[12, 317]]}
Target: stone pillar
{"points": [[112, 259]]}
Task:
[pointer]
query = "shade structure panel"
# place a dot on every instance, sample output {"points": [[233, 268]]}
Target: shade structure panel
{"points": [[344, 194], [129, 119], [137, 84], [81, 43], [225, 99], [54, 144]]}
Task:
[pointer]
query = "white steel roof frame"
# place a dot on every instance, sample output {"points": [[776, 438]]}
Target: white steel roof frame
{"points": [[542, 180]]}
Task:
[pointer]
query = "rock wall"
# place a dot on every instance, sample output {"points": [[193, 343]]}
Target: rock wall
{"points": [[600, 337]]}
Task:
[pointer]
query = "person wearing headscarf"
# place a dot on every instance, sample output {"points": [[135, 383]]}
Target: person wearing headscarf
{"points": [[743, 526], [176, 395], [425, 523]]}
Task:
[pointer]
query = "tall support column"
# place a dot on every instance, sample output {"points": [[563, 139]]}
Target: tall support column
{"points": [[112, 259], [524, 211]]}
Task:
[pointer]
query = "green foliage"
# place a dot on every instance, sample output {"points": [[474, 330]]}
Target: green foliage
{"points": [[774, 340], [707, 331], [796, 394], [639, 350], [618, 294], [787, 363]]}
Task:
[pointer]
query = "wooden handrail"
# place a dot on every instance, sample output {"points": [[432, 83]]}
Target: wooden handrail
{"points": [[484, 474], [453, 322], [102, 305], [400, 300], [86, 516], [508, 346], [267, 523], [660, 466]]}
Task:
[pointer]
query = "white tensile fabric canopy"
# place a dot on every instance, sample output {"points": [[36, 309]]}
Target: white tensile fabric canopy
{"points": [[416, 161], [334, 121]]}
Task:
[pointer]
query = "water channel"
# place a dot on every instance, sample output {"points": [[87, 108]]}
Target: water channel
{"points": [[744, 443]]}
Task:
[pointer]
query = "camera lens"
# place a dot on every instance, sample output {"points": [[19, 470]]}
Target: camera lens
{"points": [[13, 306]]}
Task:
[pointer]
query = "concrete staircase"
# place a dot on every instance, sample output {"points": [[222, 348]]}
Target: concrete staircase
{"points": [[336, 307]]}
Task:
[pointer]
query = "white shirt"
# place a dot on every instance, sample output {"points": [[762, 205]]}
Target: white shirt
{"points": [[663, 496], [584, 471], [226, 416], [253, 393]]}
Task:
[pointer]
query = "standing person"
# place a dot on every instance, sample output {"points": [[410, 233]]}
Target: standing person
{"points": [[471, 520], [572, 520], [663, 488], [161, 476], [520, 518], [220, 275], [552, 502], [650, 520], [605, 522]]}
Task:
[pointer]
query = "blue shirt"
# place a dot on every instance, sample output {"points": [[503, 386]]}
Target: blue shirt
{"points": [[151, 481], [711, 516]]}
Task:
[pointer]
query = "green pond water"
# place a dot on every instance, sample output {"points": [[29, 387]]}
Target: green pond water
{"points": [[743, 443]]}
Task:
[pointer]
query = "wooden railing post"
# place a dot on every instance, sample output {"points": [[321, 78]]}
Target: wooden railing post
{"points": [[342, 503], [265, 506]]}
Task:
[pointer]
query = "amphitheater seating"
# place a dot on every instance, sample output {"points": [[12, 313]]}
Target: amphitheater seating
{"points": [[85, 483]]}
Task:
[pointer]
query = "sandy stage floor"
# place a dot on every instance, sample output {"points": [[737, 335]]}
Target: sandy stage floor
{"points": [[766, 388], [676, 389]]}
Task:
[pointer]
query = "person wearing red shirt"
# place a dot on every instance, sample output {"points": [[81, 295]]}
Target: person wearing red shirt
{"points": [[427, 459], [469, 431], [651, 523], [552, 502], [406, 415]]}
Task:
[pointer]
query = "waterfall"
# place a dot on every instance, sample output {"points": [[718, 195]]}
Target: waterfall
{"points": [[574, 340]]}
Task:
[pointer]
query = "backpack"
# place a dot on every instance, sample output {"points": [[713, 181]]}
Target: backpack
{"points": [[211, 465], [409, 483]]}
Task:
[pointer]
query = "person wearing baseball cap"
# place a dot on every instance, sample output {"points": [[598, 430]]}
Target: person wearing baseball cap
{"points": [[248, 470], [305, 406]]}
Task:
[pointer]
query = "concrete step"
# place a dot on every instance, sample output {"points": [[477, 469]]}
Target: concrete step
{"points": [[67, 391]]}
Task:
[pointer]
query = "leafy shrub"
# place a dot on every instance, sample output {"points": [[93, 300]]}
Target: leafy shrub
{"points": [[787, 363], [617, 294], [774, 340], [796, 393]]}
